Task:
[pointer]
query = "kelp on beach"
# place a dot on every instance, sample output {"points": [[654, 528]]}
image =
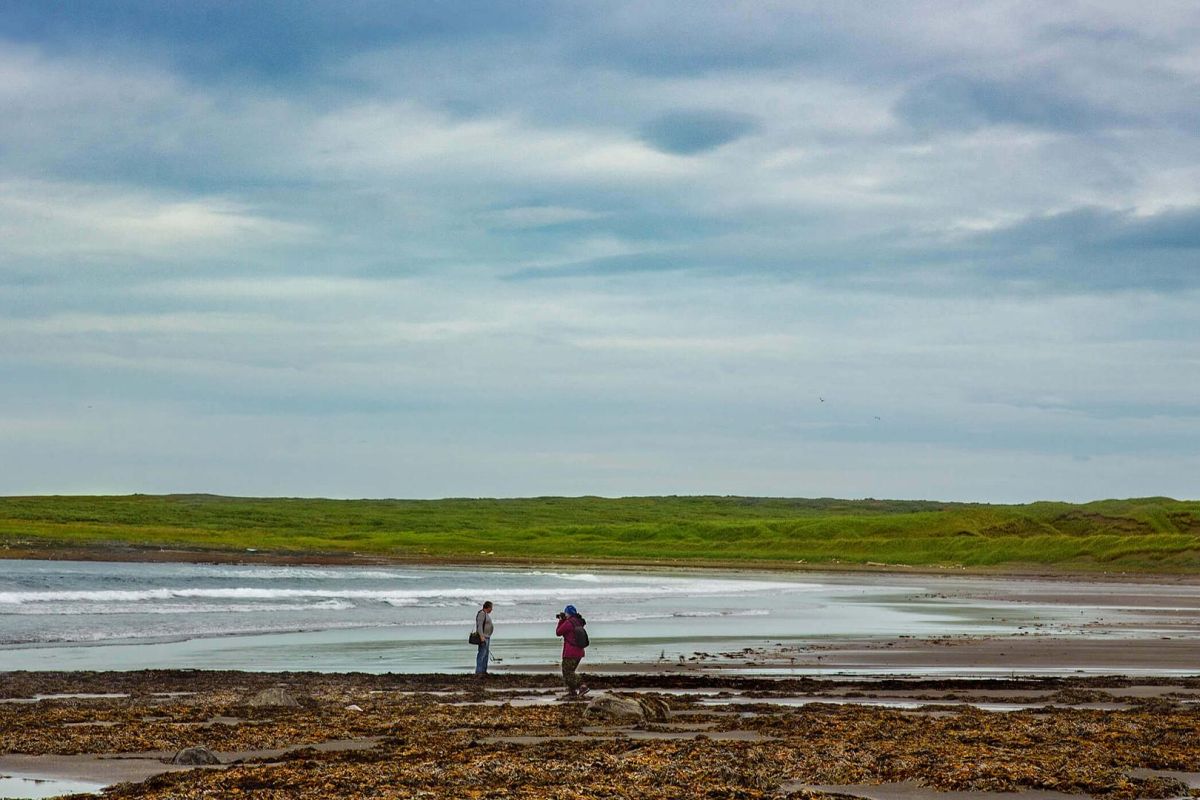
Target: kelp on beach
{"points": [[449, 738]]}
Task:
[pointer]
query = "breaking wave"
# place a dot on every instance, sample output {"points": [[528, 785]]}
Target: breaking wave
{"points": [[393, 597]]}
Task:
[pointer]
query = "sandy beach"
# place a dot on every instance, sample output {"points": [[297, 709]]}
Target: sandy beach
{"points": [[1082, 688], [406, 618]]}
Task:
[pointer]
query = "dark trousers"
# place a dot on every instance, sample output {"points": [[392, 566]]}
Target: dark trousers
{"points": [[570, 676]]}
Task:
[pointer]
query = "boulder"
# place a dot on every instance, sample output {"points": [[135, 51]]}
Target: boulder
{"points": [[274, 698], [629, 707], [614, 706], [195, 756]]}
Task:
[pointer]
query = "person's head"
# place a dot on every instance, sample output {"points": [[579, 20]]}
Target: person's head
{"points": [[570, 611], [487, 606]]}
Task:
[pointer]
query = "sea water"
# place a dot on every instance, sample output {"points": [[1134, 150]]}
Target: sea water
{"points": [[36, 786], [94, 615]]}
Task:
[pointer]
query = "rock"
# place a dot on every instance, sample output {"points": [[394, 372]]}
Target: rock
{"points": [[354, 707], [612, 706], [195, 756], [655, 708], [274, 698], [629, 707]]}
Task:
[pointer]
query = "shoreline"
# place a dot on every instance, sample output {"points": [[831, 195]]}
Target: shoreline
{"points": [[152, 554], [936, 625]]}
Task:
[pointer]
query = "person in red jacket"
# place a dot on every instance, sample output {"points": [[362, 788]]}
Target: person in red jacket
{"points": [[568, 621]]}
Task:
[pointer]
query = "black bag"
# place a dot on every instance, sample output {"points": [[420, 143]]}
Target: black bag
{"points": [[474, 638], [581, 638]]}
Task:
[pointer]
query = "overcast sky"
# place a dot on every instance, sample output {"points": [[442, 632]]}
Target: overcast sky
{"points": [[943, 250]]}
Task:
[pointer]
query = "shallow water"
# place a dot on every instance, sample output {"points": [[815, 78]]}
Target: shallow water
{"points": [[84, 615], [34, 786]]}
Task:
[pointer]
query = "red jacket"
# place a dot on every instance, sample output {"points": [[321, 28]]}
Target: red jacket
{"points": [[566, 629]]}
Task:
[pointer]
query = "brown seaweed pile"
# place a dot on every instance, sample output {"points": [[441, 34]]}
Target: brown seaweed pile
{"points": [[454, 740]]}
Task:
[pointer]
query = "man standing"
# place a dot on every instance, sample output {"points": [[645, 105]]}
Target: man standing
{"points": [[483, 627], [569, 622]]}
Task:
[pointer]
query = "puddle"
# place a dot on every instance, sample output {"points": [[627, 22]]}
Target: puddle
{"points": [[1192, 779], [899, 704], [908, 790], [69, 696], [515, 702], [22, 786], [917, 672]]}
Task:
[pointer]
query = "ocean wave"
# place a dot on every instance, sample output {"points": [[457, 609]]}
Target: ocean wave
{"points": [[518, 628], [174, 634], [585, 577], [400, 596], [311, 573], [108, 609], [751, 612]]}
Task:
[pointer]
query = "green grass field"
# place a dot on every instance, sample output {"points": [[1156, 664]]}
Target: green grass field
{"points": [[1141, 535]]}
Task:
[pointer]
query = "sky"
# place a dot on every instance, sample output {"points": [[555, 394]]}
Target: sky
{"points": [[944, 250]]}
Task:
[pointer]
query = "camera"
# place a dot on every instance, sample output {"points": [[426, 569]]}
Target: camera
{"points": [[560, 615]]}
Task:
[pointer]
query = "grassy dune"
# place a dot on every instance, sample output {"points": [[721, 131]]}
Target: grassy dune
{"points": [[1148, 534]]}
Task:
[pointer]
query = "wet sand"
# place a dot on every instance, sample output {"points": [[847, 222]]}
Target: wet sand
{"points": [[956, 655], [1098, 628]]}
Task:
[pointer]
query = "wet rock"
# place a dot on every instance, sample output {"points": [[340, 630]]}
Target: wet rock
{"points": [[613, 706], [195, 756], [274, 698], [628, 707], [655, 708]]}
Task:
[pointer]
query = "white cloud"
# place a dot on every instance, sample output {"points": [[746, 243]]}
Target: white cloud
{"points": [[41, 218], [301, 291], [404, 138]]}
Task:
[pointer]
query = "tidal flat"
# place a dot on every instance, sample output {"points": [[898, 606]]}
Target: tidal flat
{"points": [[717, 736]]}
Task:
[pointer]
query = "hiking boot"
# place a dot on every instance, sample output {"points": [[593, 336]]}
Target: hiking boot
{"points": [[583, 690]]}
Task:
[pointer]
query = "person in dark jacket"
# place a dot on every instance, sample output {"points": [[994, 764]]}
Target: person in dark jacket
{"points": [[568, 621], [483, 626]]}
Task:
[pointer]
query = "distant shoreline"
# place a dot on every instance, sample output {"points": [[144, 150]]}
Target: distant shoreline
{"points": [[153, 554]]}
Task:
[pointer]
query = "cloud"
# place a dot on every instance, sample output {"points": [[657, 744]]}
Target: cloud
{"points": [[1097, 249], [41, 219], [691, 132], [962, 102], [521, 217], [1103, 230], [1173, 229], [507, 248], [213, 39]]}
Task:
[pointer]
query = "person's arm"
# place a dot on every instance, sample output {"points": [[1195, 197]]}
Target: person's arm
{"points": [[480, 619], [564, 625]]}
